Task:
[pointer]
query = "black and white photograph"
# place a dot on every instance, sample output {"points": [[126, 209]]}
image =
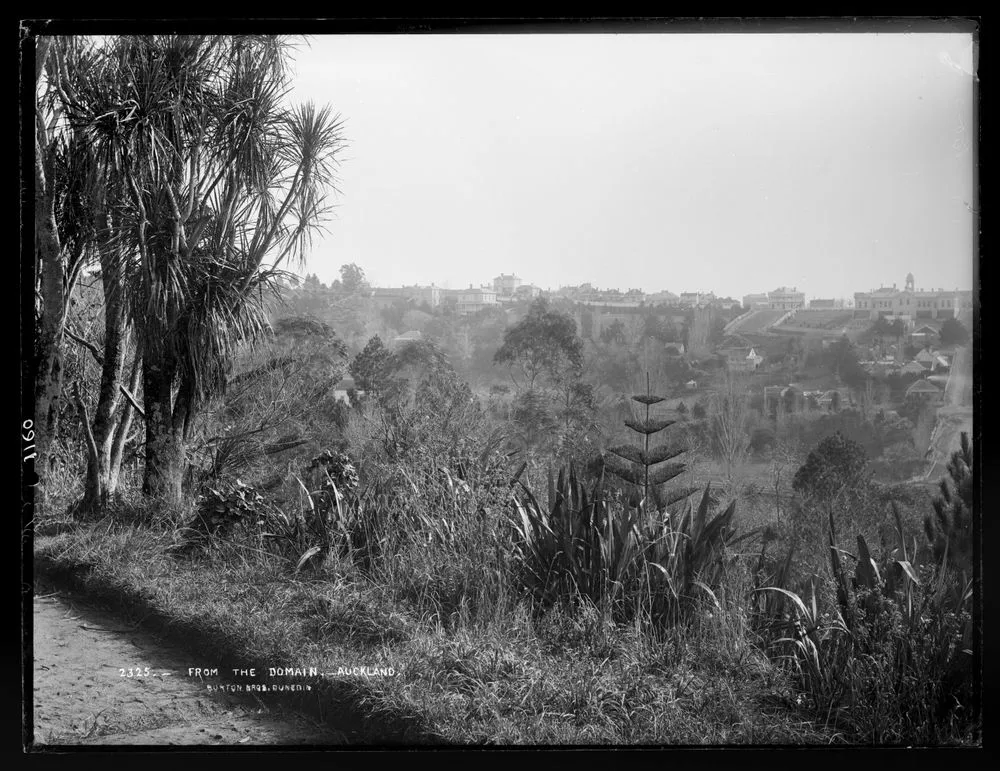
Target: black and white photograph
{"points": [[504, 383]]}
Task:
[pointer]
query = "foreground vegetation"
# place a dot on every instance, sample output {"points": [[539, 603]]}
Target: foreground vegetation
{"points": [[573, 614], [568, 561]]}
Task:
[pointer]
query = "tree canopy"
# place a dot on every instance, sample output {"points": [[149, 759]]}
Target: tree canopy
{"points": [[544, 342], [367, 367], [836, 463], [953, 333], [352, 278]]}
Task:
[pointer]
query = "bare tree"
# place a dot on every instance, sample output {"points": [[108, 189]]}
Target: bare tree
{"points": [[729, 423], [783, 458]]}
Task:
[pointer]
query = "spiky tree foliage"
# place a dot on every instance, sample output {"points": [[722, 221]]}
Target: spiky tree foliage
{"points": [[636, 465], [222, 184], [949, 528]]}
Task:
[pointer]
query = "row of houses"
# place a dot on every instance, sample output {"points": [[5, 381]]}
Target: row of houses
{"points": [[924, 363], [504, 289]]}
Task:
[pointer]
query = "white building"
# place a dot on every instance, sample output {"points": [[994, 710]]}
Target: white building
{"points": [[911, 303], [785, 299], [693, 299], [506, 285], [474, 299]]}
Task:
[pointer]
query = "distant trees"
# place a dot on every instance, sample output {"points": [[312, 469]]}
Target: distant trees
{"points": [[486, 334], [953, 333], [836, 464], [614, 333], [729, 423], [545, 349], [352, 278], [424, 405], [545, 343], [660, 329], [716, 333], [883, 328], [844, 360], [367, 367]]}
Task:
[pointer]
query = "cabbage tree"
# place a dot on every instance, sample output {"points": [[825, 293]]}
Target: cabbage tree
{"points": [[221, 183]]}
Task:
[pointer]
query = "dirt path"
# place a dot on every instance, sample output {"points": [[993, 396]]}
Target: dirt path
{"points": [[954, 416], [81, 697]]}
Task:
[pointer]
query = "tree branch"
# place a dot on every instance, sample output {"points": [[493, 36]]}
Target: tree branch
{"points": [[132, 401], [98, 357]]}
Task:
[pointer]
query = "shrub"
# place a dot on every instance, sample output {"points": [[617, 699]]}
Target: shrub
{"points": [[889, 659], [949, 530], [835, 464], [619, 557]]}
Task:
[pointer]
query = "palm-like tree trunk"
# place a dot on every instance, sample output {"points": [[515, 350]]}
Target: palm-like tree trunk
{"points": [[102, 468], [203, 229], [164, 469], [48, 255]]}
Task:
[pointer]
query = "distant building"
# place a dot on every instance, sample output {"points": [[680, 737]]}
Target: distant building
{"points": [[791, 398], [826, 304], [923, 335], [925, 359], [753, 302], [785, 299], [692, 299], [910, 303], [341, 391], [662, 298], [923, 390], [742, 359], [529, 291], [407, 337], [473, 299], [831, 400], [383, 297], [912, 368], [431, 295], [506, 285]]}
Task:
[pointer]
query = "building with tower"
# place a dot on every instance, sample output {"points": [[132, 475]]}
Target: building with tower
{"points": [[910, 303]]}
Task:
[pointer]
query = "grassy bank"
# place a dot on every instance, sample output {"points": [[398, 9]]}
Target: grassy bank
{"points": [[469, 676]]}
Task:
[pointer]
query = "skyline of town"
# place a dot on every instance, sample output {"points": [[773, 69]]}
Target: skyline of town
{"points": [[730, 163], [665, 293]]}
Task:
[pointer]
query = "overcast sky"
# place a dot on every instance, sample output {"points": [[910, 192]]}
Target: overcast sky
{"points": [[726, 162]]}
